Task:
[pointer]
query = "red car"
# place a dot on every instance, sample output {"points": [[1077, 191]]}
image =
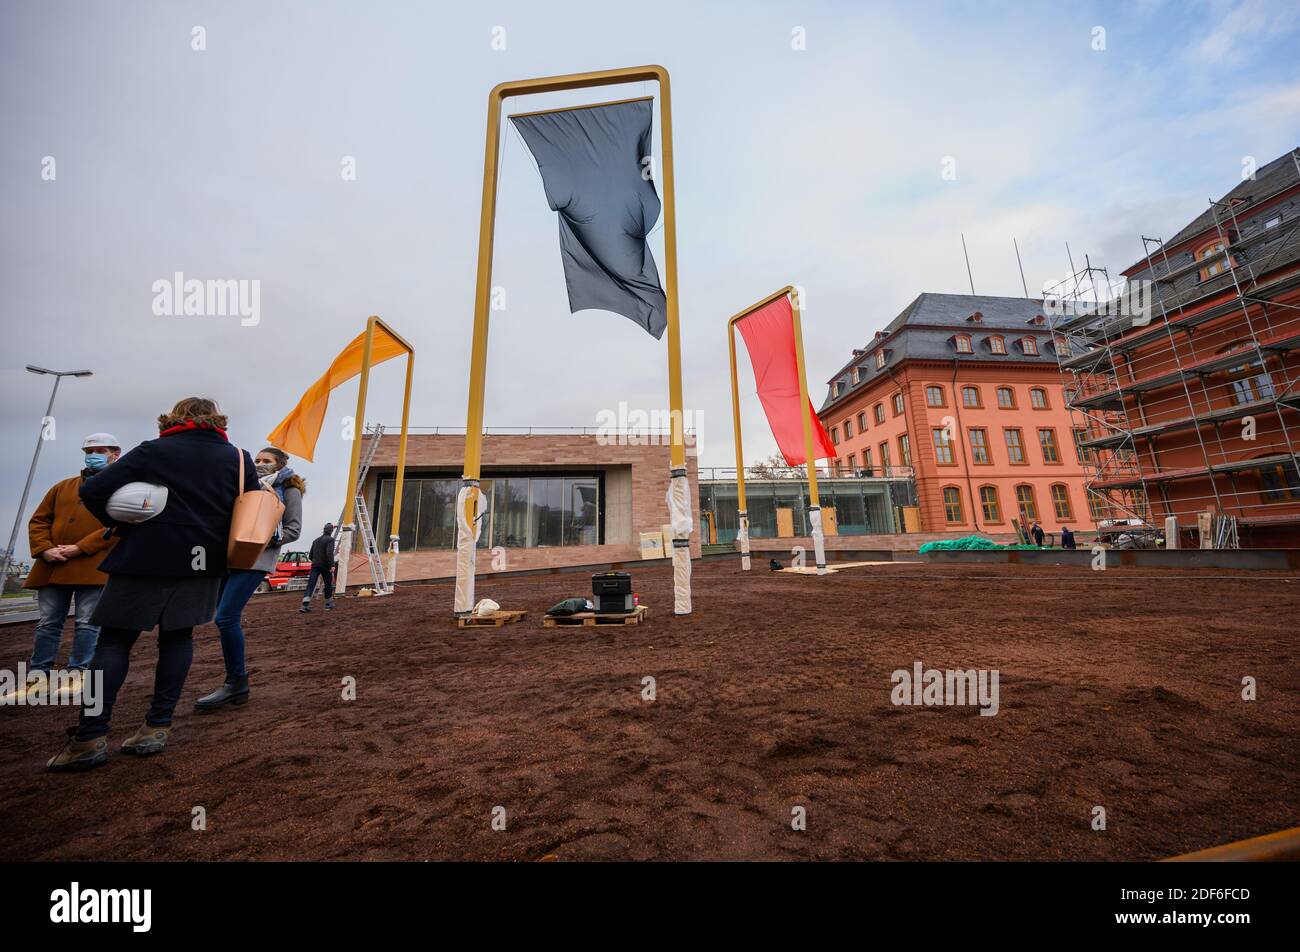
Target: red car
{"points": [[291, 565]]}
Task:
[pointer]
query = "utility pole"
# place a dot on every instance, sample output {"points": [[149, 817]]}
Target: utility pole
{"points": [[7, 557]]}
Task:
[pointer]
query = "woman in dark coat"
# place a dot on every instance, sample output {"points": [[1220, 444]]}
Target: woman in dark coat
{"points": [[163, 573]]}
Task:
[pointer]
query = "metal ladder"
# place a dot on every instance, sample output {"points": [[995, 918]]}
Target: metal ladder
{"points": [[361, 514]]}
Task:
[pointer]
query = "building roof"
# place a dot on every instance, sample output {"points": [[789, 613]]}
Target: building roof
{"points": [[1270, 179], [1263, 230], [926, 329]]}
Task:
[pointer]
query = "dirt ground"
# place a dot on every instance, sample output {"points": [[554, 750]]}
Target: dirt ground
{"points": [[1119, 689]]}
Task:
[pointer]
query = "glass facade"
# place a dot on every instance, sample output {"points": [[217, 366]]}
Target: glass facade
{"points": [[861, 506], [525, 511]]}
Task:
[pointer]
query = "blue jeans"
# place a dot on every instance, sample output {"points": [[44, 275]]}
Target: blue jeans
{"points": [[53, 602], [236, 589]]}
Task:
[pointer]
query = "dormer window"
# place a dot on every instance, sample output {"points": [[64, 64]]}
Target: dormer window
{"points": [[1212, 253], [997, 345], [880, 359], [1029, 346], [855, 375], [962, 343], [976, 318], [839, 387], [1037, 320]]}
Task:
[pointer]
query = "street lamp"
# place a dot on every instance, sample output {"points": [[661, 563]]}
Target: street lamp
{"points": [[7, 557]]}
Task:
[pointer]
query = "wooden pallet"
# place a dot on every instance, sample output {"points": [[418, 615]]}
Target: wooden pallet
{"points": [[494, 620], [592, 619]]}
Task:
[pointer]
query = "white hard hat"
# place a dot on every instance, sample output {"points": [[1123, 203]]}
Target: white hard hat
{"points": [[101, 439], [136, 502]]}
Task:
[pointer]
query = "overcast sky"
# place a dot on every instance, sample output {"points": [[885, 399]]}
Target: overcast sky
{"points": [[819, 166]]}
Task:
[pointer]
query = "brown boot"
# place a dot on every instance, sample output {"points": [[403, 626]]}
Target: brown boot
{"points": [[79, 754], [146, 740]]}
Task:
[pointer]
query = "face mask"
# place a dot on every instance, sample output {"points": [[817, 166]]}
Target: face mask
{"points": [[96, 461], [265, 469]]}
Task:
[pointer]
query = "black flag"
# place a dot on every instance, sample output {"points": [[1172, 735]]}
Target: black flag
{"points": [[591, 160]]}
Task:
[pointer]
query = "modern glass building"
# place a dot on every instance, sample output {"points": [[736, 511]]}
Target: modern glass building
{"points": [[862, 505]]}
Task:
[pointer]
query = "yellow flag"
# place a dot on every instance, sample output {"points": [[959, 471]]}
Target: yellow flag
{"points": [[298, 432]]}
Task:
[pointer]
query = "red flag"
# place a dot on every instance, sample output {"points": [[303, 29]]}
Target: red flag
{"points": [[769, 338]]}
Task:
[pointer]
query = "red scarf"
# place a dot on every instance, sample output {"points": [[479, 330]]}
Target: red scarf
{"points": [[192, 425]]}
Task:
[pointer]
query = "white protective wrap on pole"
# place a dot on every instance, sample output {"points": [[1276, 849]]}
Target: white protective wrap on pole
{"points": [[818, 537], [394, 543], [466, 543], [343, 558], [679, 516], [743, 538]]}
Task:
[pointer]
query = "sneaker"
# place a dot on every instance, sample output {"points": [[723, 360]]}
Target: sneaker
{"points": [[79, 754], [329, 605], [146, 740], [304, 608]]}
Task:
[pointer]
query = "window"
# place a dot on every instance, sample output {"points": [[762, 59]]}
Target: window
{"points": [[970, 397], [942, 445], [1061, 503], [839, 387], [525, 511], [934, 396], [952, 504], [854, 374], [1006, 398], [898, 404], [989, 504], [853, 462], [879, 410], [1096, 506], [862, 423], [998, 345], [1084, 453], [1026, 505], [1038, 398], [1213, 253], [963, 343], [848, 429], [835, 435], [1279, 482], [1139, 502], [880, 359], [904, 450], [866, 459], [884, 458], [979, 446], [1047, 440], [1029, 346], [1250, 382], [1015, 446]]}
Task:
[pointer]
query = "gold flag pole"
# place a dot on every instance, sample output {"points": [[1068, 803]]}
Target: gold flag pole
{"points": [[464, 592], [809, 460]]}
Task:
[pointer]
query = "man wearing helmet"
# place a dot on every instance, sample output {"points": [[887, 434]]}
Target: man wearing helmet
{"points": [[67, 545]]}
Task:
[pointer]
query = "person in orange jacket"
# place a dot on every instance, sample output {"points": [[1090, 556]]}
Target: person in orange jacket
{"points": [[67, 545]]}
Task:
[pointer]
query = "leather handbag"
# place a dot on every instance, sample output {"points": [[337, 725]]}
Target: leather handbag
{"points": [[253, 522]]}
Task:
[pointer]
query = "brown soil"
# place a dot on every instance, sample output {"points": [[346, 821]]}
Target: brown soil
{"points": [[1120, 689]]}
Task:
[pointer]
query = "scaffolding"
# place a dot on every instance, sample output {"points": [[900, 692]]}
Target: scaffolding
{"points": [[1192, 412]]}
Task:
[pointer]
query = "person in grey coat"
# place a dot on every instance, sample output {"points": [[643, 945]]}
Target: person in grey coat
{"points": [[274, 472]]}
